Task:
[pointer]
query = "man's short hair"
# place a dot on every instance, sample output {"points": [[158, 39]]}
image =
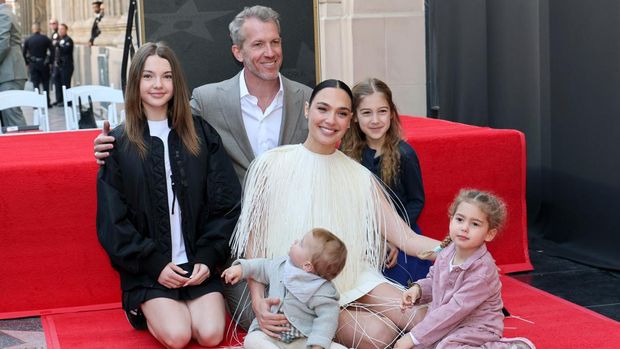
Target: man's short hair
{"points": [[263, 13]]}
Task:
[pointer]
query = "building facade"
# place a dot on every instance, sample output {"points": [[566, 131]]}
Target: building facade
{"points": [[357, 39]]}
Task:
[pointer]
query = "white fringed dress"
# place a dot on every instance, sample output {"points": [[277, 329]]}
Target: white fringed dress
{"points": [[290, 190]]}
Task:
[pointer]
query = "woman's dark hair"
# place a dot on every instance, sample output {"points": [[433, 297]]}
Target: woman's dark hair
{"points": [[331, 83]]}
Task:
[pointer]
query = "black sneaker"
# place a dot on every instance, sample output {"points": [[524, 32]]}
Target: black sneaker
{"points": [[136, 319]]}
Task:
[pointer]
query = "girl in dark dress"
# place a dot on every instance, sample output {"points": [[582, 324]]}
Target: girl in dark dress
{"points": [[374, 140]]}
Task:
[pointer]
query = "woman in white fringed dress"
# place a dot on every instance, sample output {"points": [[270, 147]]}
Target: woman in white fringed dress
{"points": [[292, 189]]}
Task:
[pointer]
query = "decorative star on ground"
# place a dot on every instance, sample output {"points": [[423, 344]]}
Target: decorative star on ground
{"points": [[188, 13], [28, 339]]}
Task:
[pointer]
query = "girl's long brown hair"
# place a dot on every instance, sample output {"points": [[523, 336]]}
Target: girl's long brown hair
{"points": [[354, 140], [179, 111]]}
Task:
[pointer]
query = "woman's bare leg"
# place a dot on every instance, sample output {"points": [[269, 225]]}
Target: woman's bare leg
{"points": [[385, 299], [208, 314], [359, 327], [168, 321]]}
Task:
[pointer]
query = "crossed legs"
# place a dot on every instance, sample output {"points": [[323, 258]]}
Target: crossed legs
{"points": [[376, 320]]}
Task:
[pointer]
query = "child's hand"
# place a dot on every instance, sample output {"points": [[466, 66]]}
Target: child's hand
{"points": [[391, 256], [405, 342], [410, 296], [233, 274]]}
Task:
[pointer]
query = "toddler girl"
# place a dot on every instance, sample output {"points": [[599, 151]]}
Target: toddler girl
{"points": [[463, 288]]}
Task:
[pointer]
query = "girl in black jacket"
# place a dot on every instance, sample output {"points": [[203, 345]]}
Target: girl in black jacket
{"points": [[167, 202]]}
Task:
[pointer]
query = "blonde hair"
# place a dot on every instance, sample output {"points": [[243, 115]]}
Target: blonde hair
{"points": [[354, 140], [330, 254], [179, 111]]}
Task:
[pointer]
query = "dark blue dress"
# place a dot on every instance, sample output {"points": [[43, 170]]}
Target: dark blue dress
{"points": [[408, 192]]}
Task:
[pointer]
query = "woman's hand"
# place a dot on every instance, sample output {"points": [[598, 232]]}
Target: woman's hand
{"points": [[200, 273], [405, 342], [410, 296], [171, 276], [392, 255], [233, 274]]}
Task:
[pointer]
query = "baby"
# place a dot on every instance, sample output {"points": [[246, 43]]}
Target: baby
{"points": [[302, 281]]}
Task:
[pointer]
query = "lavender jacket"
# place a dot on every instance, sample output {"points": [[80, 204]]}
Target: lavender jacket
{"points": [[469, 296]]}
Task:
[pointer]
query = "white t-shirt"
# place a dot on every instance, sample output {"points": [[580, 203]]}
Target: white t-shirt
{"points": [[161, 130], [263, 129]]}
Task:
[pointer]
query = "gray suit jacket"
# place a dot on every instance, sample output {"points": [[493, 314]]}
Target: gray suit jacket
{"points": [[220, 105], [12, 64], [317, 319]]}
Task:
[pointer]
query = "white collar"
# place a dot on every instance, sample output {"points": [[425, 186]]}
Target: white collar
{"points": [[243, 87], [301, 284]]}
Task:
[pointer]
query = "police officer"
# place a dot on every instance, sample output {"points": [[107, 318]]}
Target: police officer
{"points": [[64, 59], [53, 25], [99, 12], [37, 50]]}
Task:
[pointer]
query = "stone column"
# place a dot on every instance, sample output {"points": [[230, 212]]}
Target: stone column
{"points": [[375, 38]]}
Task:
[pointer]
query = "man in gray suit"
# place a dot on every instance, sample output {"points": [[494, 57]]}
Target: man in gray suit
{"points": [[13, 74], [256, 110]]}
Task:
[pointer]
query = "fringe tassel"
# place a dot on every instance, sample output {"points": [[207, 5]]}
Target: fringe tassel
{"points": [[290, 190]]}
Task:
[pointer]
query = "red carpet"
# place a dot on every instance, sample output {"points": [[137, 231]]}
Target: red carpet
{"points": [[550, 322], [48, 206], [454, 156], [555, 323], [47, 210], [104, 329], [54, 266]]}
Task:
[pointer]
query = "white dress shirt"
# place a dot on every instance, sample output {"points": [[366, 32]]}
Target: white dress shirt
{"points": [[263, 129]]}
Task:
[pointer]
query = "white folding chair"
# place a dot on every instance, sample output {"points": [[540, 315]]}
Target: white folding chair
{"points": [[97, 94], [33, 99]]}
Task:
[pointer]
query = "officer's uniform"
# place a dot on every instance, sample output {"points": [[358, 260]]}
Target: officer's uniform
{"points": [[37, 49], [64, 63], [94, 30], [54, 70]]}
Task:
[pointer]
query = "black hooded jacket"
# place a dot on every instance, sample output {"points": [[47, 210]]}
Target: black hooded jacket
{"points": [[133, 224]]}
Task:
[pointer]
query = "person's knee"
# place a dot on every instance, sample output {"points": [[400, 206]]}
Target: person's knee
{"points": [[209, 336], [380, 336], [256, 340], [377, 332], [369, 335], [175, 338]]}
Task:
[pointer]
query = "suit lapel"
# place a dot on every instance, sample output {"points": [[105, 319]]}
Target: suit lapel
{"points": [[231, 110], [293, 111]]}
